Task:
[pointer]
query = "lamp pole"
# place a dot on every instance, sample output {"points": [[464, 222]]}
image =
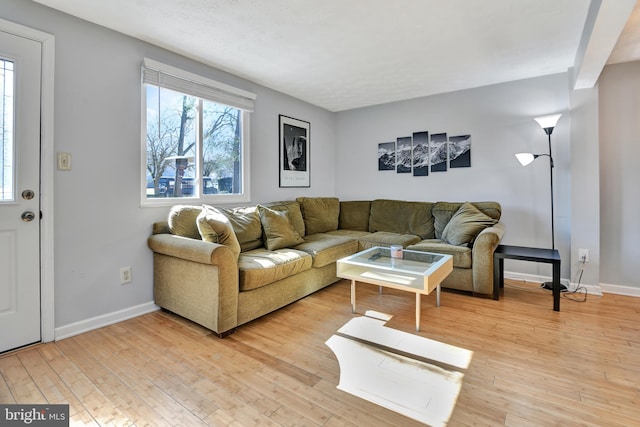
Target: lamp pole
{"points": [[548, 131], [548, 123]]}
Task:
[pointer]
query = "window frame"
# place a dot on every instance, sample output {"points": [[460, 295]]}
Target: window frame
{"points": [[217, 92]]}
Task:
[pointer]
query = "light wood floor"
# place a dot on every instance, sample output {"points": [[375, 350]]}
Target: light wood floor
{"points": [[531, 366]]}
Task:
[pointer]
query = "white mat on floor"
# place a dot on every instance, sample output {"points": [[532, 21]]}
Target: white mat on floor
{"points": [[412, 375]]}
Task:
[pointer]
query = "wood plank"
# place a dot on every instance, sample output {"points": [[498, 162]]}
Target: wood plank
{"points": [[19, 381]]}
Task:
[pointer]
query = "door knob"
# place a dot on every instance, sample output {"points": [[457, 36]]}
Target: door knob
{"points": [[28, 194], [28, 216]]}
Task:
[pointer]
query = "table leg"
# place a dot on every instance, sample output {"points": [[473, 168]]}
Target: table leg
{"points": [[353, 296], [438, 295], [498, 277], [417, 312], [379, 290], [556, 286]]}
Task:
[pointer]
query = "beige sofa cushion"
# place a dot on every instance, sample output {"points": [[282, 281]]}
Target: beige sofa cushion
{"points": [[247, 226], [320, 213], [398, 216], [354, 215], [354, 234], [462, 255], [182, 221], [259, 267], [465, 225], [327, 248], [278, 231], [443, 211], [215, 227]]}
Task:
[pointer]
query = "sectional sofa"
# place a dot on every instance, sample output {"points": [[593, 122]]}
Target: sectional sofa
{"points": [[223, 267]]}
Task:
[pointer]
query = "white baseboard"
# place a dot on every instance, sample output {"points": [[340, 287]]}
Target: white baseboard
{"points": [[620, 290], [598, 289], [103, 320], [591, 289]]}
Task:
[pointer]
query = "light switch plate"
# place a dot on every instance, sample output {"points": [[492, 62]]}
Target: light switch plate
{"points": [[64, 161]]}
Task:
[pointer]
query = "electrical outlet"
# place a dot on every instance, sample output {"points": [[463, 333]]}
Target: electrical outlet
{"points": [[583, 255], [125, 275], [64, 161]]}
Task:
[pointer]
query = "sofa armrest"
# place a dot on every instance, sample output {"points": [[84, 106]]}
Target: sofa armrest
{"points": [[185, 248], [197, 280], [482, 262]]}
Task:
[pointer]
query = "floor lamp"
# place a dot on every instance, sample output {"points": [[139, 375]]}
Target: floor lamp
{"points": [[547, 123]]}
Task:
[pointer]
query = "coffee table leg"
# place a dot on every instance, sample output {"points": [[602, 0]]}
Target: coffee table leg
{"points": [[417, 312], [438, 296], [353, 296]]}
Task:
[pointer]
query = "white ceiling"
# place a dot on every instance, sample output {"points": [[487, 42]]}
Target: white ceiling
{"points": [[344, 54]]}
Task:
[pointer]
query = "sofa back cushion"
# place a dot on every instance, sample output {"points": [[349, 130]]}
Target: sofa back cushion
{"points": [[354, 215], [443, 211], [320, 214], [182, 221], [246, 225], [215, 227], [398, 216]]}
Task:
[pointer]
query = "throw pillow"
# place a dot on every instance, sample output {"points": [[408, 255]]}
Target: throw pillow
{"points": [[278, 231], [215, 227], [246, 224], [293, 211], [465, 225], [182, 221], [320, 213]]}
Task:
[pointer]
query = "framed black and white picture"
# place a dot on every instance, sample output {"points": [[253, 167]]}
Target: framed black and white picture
{"points": [[294, 152]]}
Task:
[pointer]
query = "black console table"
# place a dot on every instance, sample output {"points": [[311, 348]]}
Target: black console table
{"points": [[549, 256]]}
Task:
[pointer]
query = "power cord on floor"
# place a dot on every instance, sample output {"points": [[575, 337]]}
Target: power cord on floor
{"points": [[579, 293]]}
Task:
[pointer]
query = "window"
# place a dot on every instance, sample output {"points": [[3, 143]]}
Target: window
{"points": [[6, 130], [195, 138]]}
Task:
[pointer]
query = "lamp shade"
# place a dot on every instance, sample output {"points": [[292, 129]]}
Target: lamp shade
{"points": [[550, 121], [525, 158]]}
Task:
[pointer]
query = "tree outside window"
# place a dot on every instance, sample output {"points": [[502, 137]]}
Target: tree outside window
{"points": [[193, 146]]}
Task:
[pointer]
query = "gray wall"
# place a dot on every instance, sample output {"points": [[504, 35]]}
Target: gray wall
{"points": [[619, 174], [500, 121], [99, 225]]}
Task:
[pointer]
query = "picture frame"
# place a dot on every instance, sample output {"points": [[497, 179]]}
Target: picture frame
{"points": [[294, 152]]}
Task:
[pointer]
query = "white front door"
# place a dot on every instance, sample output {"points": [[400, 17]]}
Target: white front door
{"points": [[20, 77]]}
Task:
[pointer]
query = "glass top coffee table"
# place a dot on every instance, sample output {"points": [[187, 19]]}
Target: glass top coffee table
{"points": [[416, 271]]}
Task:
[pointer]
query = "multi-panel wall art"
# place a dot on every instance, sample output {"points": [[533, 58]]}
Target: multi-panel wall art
{"points": [[421, 153]]}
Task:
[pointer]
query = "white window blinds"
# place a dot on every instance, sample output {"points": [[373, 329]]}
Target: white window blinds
{"points": [[168, 77]]}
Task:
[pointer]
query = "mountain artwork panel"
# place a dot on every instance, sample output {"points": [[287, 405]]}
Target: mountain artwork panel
{"points": [[420, 154], [438, 152], [403, 155], [387, 156], [460, 151]]}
